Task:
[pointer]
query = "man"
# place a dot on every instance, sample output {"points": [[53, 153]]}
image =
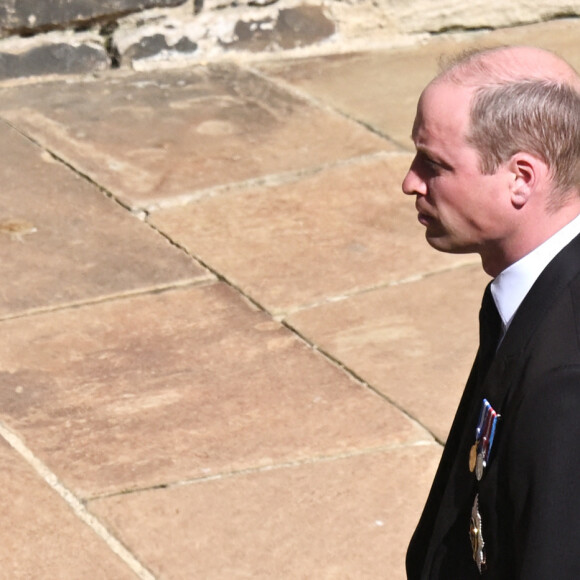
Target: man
{"points": [[497, 172]]}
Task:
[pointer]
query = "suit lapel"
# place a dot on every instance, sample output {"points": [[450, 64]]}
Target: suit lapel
{"points": [[454, 484]]}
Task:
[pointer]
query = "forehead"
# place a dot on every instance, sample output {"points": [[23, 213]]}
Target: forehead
{"points": [[442, 112]]}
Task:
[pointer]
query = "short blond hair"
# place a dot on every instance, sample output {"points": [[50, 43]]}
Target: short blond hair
{"points": [[519, 108]]}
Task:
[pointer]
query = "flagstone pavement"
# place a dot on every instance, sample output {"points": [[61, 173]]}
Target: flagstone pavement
{"points": [[226, 350]]}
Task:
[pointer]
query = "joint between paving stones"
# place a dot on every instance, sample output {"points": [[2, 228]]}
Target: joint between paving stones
{"points": [[75, 504], [267, 181], [296, 92], [345, 296], [221, 277], [260, 469], [359, 379], [145, 291]]}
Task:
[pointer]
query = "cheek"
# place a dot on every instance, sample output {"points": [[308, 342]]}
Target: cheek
{"points": [[448, 194], [461, 207], [486, 212]]}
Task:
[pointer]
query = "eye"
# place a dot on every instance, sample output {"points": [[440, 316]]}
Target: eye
{"points": [[429, 164]]}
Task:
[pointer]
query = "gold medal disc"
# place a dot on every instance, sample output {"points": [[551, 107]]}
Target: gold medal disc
{"points": [[472, 457]]}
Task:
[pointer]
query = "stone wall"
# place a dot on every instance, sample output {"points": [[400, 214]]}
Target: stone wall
{"points": [[78, 36], [34, 16]]}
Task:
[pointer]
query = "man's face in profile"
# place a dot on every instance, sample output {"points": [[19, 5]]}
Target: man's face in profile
{"points": [[460, 207]]}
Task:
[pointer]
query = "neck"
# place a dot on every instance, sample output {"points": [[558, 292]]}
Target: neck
{"points": [[498, 257]]}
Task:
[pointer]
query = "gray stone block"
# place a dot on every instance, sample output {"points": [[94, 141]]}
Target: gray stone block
{"points": [[55, 58], [21, 16], [294, 27], [150, 46]]}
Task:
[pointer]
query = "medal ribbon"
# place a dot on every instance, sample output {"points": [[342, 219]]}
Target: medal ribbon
{"points": [[485, 431]]}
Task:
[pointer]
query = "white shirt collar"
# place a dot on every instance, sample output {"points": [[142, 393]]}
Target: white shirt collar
{"points": [[511, 286]]}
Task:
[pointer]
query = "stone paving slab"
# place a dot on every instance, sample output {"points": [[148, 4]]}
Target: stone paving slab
{"points": [[213, 126], [342, 519], [381, 88], [42, 537], [341, 231], [378, 88], [414, 342], [63, 242], [179, 385]]}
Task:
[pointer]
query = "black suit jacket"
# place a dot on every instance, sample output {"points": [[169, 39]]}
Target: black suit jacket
{"points": [[529, 496]]}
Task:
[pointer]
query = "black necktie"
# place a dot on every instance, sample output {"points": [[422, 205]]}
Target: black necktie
{"points": [[490, 329]]}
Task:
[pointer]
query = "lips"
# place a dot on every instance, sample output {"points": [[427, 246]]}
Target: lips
{"points": [[424, 217]]}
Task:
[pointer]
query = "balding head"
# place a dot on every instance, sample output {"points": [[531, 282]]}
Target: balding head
{"points": [[508, 64], [523, 99]]}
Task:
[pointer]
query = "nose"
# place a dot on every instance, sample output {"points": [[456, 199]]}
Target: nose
{"points": [[414, 184]]}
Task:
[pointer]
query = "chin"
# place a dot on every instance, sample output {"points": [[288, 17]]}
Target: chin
{"points": [[444, 244]]}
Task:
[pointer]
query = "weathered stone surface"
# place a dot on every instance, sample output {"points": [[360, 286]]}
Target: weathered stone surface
{"points": [[156, 45], [62, 241], [179, 385], [157, 39], [379, 88], [30, 15], [194, 30], [293, 27], [218, 26], [41, 537], [54, 58], [425, 16], [341, 231], [414, 342], [221, 5], [246, 27], [348, 518], [399, 16], [213, 126]]}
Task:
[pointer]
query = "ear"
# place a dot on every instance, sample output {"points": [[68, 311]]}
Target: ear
{"points": [[527, 172]]}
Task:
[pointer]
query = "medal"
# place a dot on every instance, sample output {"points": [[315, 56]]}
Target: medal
{"points": [[478, 461], [476, 537], [472, 457], [479, 466], [484, 436]]}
